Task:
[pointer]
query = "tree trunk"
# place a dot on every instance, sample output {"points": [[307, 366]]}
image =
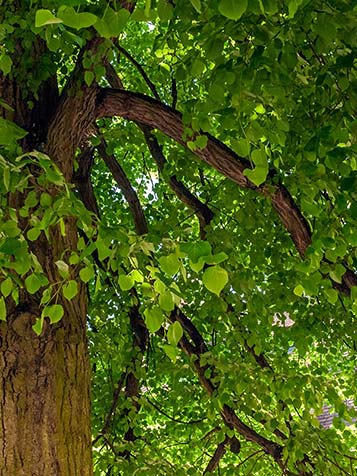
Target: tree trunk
{"points": [[45, 425], [45, 411], [45, 393]]}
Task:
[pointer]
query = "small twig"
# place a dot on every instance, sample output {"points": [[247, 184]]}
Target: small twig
{"points": [[112, 408], [248, 457], [173, 93], [141, 70], [190, 422]]}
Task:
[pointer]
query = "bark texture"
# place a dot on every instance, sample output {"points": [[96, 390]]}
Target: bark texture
{"points": [[45, 425], [44, 395]]}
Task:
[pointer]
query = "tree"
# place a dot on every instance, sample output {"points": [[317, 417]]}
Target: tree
{"points": [[179, 198]]}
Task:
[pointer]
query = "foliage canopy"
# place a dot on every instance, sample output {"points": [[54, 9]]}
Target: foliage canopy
{"points": [[208, 159]]}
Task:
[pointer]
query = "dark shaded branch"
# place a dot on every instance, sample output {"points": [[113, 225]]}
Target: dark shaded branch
{"points": [[126, 187], [174, 93], [112, 76], [218, 455], [228, 414], [128, 5], [111, 411], [201, 210]]}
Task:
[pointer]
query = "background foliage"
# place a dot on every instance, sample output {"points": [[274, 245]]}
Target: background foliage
{"points": [[275, 82]]}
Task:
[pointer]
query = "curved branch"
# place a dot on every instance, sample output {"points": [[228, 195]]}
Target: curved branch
{"points": [[175, 420], [218, 455], [155, 115], [139, 108], [202, 211], [229, 416]]}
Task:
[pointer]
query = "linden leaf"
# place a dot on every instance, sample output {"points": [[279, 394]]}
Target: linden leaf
{"points": [[214, 279]]}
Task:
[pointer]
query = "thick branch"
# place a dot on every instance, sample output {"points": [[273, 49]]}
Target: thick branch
{"points": [[150, 112], [139, 108]]}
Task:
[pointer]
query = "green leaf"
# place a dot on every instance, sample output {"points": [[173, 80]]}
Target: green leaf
{"points": [[154, 318], [259, 174], [33, 234], [46, 296], [54, 312], [169, 264], [165, 10], [10, 132], [196, 250], [196, 5], [293, 7], [216, 259], [241, 147], [45, 17], [202, 140], [299, 290], [63, 268], [12, 246], [37, 327], [2, 309], [6, 287], [5, 64], [166, 301], [214, 279], [112, 23], [45, 200], [171, 352], [174, 333], [34, 282], [7, 178], [86, 274], [76, 20], [70, 289], [332, 295], [126, 282], [232, 9], [10, 229], [88, 77], [137, 276]]}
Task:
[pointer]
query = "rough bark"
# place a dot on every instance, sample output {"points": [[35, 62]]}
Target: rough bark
{"points": [[45, 380], [44, 395]]}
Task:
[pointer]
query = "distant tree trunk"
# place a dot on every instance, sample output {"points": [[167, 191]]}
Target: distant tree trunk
{"points": [[45, 425]]}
